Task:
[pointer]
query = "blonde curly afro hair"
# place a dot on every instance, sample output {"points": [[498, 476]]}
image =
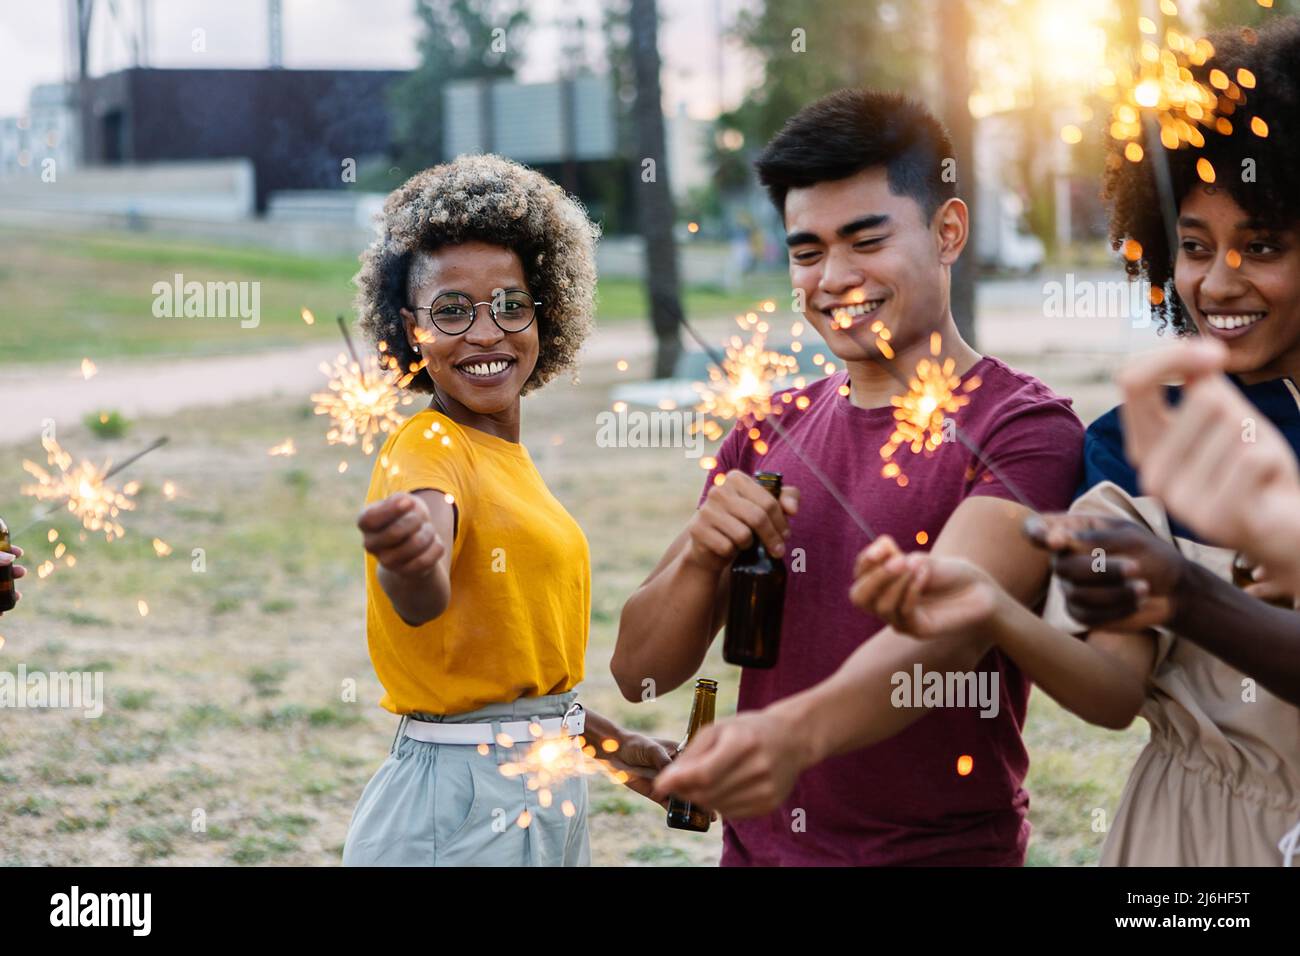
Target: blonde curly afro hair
{"points": [[497, 201]]}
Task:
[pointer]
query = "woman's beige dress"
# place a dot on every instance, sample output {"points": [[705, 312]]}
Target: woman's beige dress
{"points": [[1219, 782]]}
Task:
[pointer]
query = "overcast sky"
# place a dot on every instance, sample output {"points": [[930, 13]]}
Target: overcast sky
{"points": [[358, 34]]}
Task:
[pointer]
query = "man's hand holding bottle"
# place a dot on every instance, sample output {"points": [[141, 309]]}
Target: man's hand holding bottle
{"points": [[733, 513]]}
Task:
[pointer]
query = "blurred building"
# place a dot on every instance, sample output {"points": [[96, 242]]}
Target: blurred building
{"points": [[44, 140], [569, 121], [688, 152], [297, 127]]}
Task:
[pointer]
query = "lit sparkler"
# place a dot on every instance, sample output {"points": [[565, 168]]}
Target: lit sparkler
{"points": [[83, 488], [1161, 85], [362, 401], [549, 761], [1157, 104], [363, 397], [933, 393], [740, 386]]}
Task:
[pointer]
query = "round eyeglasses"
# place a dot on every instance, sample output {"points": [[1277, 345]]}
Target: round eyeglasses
{"points": [[452, 313]]}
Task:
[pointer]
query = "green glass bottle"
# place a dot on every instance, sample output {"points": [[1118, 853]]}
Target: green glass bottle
{"points": [[681, 814], [8, 595], [753, 635]]}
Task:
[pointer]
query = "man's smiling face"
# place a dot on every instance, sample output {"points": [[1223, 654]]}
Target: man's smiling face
{"points": [[862, 255]]}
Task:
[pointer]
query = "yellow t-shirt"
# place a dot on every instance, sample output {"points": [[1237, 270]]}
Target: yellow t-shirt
{"points": [[520, 604]]}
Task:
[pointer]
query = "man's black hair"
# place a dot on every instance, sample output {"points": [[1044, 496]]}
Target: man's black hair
{"points": [[852, 130]]}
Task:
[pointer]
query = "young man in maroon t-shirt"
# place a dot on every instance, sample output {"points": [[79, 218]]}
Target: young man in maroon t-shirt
{"points": [[834, 757]]}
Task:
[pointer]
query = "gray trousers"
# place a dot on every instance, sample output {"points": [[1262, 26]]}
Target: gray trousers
{"points": [[450, 805]]}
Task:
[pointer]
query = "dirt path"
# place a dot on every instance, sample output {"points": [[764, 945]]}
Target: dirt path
{"points": [[1075, 356], [158, 386]]}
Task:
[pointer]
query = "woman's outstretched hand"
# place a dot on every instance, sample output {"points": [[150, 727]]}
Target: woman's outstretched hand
{"points": [[400, 533]]}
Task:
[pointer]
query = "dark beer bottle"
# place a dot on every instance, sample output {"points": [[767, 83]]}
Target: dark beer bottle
{"points": [[681, 814], [753, 634], [8, 596]]}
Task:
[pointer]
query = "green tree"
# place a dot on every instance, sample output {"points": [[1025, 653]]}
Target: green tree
{"points": [[654, 198], [460, 40], [810, 48], [1226, 13]]}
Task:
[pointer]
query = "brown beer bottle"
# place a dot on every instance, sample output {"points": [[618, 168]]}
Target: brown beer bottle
{"points": [[8, 596], [753, 634], [683, 815]]}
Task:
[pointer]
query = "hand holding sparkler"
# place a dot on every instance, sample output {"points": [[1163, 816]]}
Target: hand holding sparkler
{"points": [[635, 758], [1139, 582], [922, 595], [741, 767], [624, 758], [1215, 462], [1217, 465], [406, 534]]}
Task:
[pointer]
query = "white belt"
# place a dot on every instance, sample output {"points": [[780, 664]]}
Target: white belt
{"points": [[517, 731]]}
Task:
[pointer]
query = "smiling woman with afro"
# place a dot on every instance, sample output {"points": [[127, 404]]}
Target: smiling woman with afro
{"points": [[478, 581]]}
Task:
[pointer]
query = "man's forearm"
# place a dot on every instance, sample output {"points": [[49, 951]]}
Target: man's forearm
{"points": [[1260, 640], [853, 708], [666, 628]]}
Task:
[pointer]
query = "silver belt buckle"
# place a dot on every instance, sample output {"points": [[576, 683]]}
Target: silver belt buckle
{"points": [[578, 716]]}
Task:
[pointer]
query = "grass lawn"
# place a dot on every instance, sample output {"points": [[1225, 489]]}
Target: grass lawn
{"points": [[63, 297], [225, 703]]}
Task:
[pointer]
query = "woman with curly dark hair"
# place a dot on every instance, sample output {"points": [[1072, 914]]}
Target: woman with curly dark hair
{"points": [[478, 582], [1144, 617]]}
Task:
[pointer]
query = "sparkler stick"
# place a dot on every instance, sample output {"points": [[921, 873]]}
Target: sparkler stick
{"points": [[1164, 181], [127, 462], [352, 349]]}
